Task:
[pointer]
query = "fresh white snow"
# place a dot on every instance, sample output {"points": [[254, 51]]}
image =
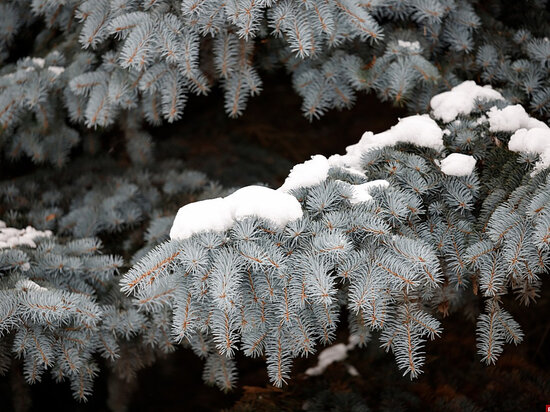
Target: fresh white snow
{"points": [[536, 140], [481, 119], [460, 99], [334, 353], [26, 284], [529, 134], [352, 370], [57, 70], [38, 61], [280, 207], [512, 118], [307, 174], [361, 193], [458, 164], [11, 237], [212, 214], [414, 45], [353, 171], [420, 130], [219, 214], [273, 205]]}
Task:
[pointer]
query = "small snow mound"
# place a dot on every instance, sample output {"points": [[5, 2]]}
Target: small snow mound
{"points": [[460, 99], [458, 164], [38, 61], [361, 193], [306, 174], [512, 118], [481, 119], [328, 356], [420, 130], [334, 353], [275, 206], [352, 370], [11, 237], [411, 45], [220, 214], [56, 70], [28, 285], [352, 171], [204, 215], [536, 140]]}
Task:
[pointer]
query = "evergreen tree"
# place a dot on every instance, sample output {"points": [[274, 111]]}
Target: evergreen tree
{"points": [[103, 61], [389, 234], [447, 211]]}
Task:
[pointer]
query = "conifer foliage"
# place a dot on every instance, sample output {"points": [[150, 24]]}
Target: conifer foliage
{"points": [[105, 200], [395, 261], [59, 308], [447, 211], [406, 227], [142, 59]]}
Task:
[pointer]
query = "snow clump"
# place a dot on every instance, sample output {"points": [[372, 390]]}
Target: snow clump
{"points": [[220, 214], [307, 174], [56, 70], [458, 164], [11, 237], [334, 353], [361, 193], [420, 130], [512, 118], [461, 99], [536, 141]]}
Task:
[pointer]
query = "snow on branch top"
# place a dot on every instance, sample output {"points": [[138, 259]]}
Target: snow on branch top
{"points": [[420, 130], [362, 192], [529, 135], [458, 164], [512, 118], [11, 237], [219, 214], [279, 207], [536, 141], [307, 174], [461, 99], [413, 46]]}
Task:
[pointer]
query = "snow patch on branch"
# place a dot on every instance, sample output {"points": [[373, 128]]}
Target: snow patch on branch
{"points": [[11, 237], [56, 70], [220, 214], [278, 206], [334, 353], [307, 174], [352, 171], [361, 193], [536, 140], [461, 99], [512, 118], [38, 61], [458, 164], [26, 285], [420, 130], [411, 45]]}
